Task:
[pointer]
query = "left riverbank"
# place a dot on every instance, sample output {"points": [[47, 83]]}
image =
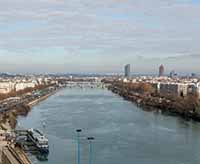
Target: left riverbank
{"points": [[9, 121], [22, 108]]}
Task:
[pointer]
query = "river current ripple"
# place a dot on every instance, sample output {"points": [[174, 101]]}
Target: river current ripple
{"points": [[124, 134]]}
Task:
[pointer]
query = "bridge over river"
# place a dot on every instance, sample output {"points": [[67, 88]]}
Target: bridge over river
{"points": [[85, 84]]}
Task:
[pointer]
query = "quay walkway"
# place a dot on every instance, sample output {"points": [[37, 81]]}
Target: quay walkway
{"points": [[12, 155]]}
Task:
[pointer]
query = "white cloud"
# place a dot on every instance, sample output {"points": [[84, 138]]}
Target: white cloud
{"points": [[108, 27]]}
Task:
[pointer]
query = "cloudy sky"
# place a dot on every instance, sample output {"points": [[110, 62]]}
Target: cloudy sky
{"points": [[99, 35]]}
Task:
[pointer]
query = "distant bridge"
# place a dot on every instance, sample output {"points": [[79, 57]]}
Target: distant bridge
{"points": [[85, 84]]}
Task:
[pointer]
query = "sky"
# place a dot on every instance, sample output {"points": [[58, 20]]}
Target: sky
{"points": [[99, 36]]}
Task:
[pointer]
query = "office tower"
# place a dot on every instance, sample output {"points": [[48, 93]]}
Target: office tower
{"points": [[127, 70], [161, 71]]}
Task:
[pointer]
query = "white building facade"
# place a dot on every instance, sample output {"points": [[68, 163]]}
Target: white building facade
{"points": [[23, 85], [6, 87]]}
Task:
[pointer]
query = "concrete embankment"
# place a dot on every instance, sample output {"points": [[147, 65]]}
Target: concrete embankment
{"points": [[35, 102]]}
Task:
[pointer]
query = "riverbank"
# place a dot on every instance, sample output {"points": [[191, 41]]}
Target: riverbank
{"points": [[9, 122], [187, 107], [22, 110]]}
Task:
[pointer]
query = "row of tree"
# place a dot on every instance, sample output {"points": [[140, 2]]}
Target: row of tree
{"points": [[183, 105], [144, 88]]}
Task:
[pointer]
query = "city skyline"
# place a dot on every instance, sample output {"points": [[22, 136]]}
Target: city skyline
{"points": [[58, 36]]}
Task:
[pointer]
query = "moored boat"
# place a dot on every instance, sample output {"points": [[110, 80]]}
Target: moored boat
{"points": [[40, 141]]}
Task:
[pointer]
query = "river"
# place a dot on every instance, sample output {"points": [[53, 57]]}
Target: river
{"points": [[123, 132]]}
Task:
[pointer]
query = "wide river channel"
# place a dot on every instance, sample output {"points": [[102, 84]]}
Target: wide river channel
{"points": [[124, 134]]}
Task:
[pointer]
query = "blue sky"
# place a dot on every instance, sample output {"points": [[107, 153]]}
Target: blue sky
{"points": [[99, 36]]}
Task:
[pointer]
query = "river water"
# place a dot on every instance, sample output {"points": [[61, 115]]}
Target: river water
{"points": [[124, 134]]}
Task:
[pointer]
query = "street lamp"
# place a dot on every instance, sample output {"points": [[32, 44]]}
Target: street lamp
{"points": [[78, 146], [90, 139]]}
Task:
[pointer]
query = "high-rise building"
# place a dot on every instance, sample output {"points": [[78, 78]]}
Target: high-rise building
{"points": [[127, 70], [161, 70]]}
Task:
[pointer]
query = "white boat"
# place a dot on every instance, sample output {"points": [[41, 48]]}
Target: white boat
{"points": [[40, 141]]}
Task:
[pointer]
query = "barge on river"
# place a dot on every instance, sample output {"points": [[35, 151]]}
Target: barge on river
{"points": [[39, 140]]}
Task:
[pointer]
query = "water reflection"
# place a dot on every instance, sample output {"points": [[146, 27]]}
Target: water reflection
{"points": [[41, 156]]}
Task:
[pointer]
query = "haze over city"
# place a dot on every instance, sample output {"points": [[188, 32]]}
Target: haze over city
{"points": [[90, 36]]}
